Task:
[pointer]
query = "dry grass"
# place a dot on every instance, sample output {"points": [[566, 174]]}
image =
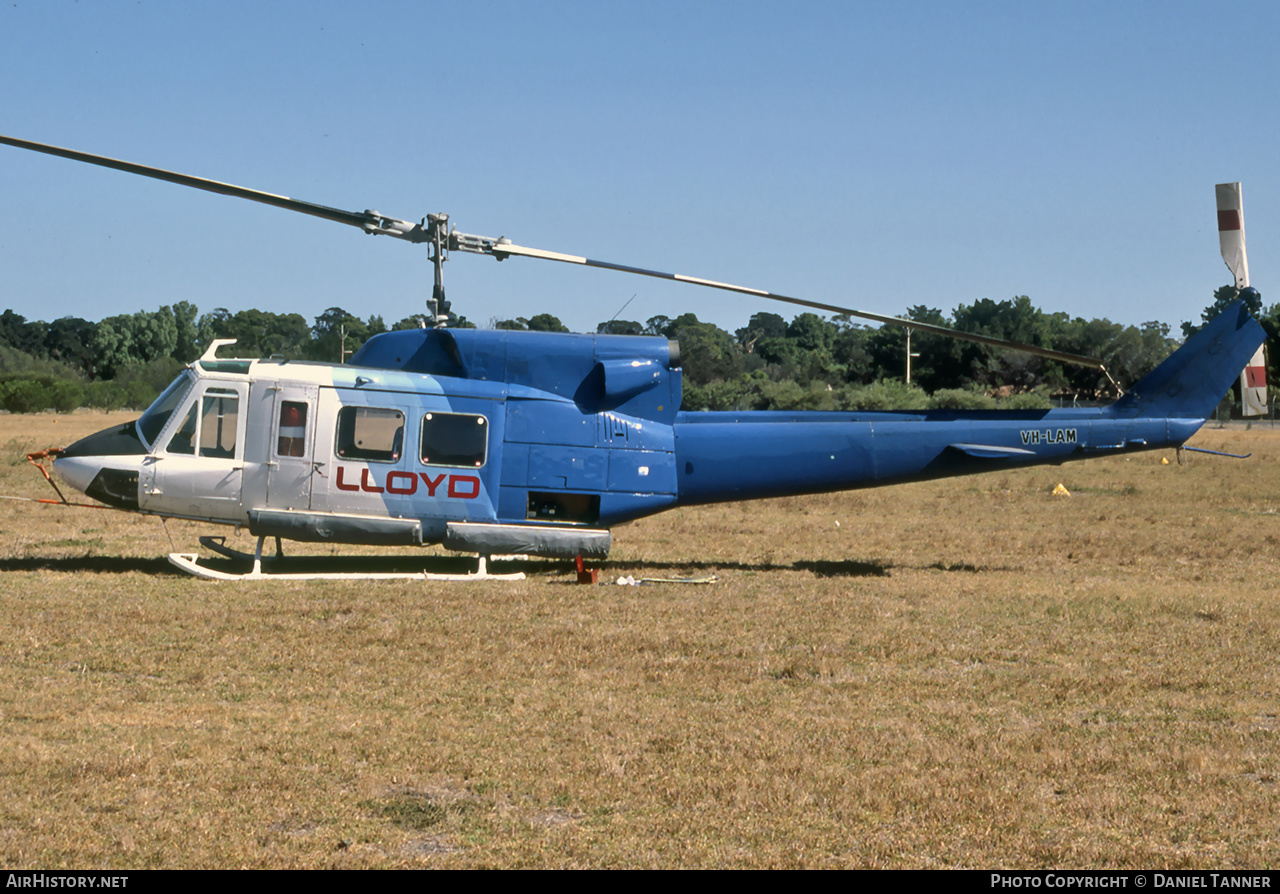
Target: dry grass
{"points": [[963, 673]]}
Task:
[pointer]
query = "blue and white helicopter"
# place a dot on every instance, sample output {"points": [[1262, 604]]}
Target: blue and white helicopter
{"points": [[529, 443]]}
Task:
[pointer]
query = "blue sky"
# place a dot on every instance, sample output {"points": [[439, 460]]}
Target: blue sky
{"points": [[876, 155]]}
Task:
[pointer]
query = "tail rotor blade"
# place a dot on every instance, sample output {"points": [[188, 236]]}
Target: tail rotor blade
{"points": [[1253, 385], [1231, 231], [1253, 380]]}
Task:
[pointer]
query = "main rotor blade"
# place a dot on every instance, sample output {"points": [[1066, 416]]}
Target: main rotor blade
{"points": [[369, 221], [375, 223], [503, 249]]}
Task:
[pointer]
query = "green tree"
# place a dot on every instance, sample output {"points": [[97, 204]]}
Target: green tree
{"points": [[131, 339], [112, 347], [620, 327], [1014, 320], [888, 394], [657, 325], [936, 367], [217, 323], [707, 352], [23, 396], [852, 350], [815, 337], [546, 323], [762, 325], [65, 395], [186, 330], [536, 323], [1222, 297], [1090, 338], [1136, 351], [16, 332], [258, 333], [416, 321], [68, 340], [335, 328]]}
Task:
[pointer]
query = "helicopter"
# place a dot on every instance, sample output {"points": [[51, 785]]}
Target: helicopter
{"points": [[515, 443]]}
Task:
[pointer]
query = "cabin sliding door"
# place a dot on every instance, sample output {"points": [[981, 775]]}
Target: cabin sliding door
{"points": [[292, 466]]}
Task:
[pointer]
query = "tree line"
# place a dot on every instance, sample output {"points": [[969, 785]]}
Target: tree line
{"points": [[808, 362], [817, 363], [127, 359]]}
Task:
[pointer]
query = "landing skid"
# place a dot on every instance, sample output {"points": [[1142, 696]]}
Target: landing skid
{"points": [[190, 563]]}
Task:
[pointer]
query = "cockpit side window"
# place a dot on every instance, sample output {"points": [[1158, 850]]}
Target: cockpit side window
{"points": [[219, 417], [210, 426]]}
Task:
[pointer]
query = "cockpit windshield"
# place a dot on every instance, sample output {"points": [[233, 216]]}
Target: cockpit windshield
{"points": [[152, 422]]}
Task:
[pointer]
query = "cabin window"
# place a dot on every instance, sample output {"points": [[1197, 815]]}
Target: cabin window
{"points": [[292, 435], [370, 434], [454, 439], [219, 416]]}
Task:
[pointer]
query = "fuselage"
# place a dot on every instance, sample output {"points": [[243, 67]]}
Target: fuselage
{"points": [[536, 443]]}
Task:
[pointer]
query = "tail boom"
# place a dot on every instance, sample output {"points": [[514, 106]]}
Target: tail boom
{"points": [[738, 456]]}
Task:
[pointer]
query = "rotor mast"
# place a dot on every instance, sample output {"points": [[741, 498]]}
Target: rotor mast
{"points": [[437, 306]]}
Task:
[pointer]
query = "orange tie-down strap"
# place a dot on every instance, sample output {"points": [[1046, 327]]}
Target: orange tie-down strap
{"points": [[38, 459]]}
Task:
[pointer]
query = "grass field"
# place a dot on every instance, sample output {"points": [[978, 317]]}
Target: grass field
{"points": [[967, 673]]}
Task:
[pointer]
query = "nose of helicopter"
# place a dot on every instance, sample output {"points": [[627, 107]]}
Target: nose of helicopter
{"points": [[100, 466], [78, 471]]}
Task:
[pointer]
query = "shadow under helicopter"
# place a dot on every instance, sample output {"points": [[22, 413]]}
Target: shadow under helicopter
{"points": [[160, 567], [155, 567]]}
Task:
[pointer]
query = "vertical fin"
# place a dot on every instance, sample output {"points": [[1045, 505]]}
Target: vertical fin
{"points": [[1191, 380]]}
